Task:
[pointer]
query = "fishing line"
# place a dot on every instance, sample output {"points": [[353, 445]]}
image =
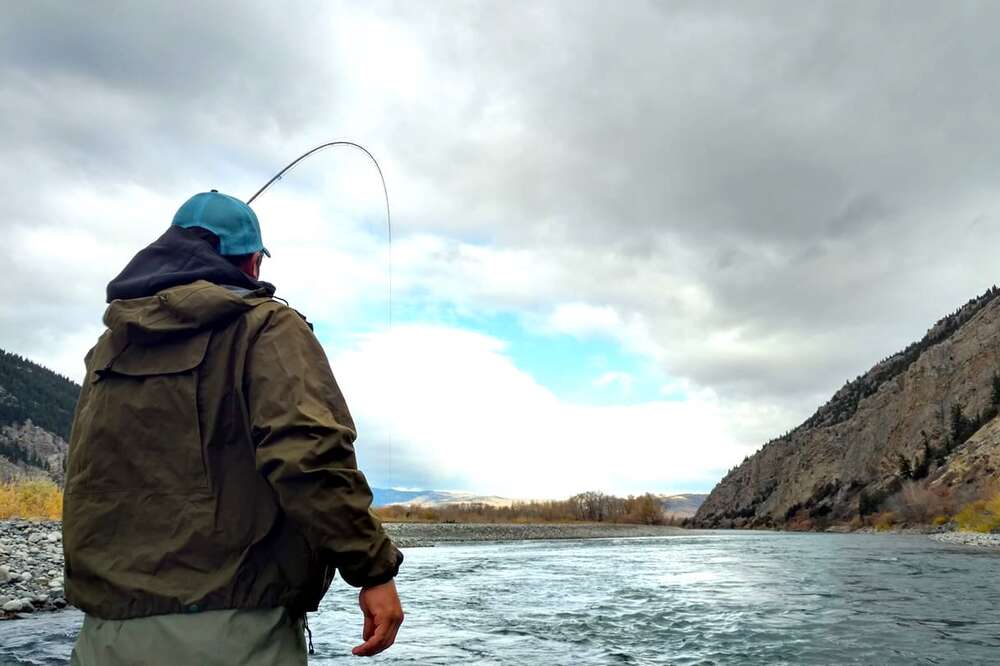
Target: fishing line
{"points": [[388, 221]]}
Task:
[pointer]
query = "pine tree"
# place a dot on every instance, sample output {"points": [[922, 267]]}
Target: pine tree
{"points": [[905, 468]]}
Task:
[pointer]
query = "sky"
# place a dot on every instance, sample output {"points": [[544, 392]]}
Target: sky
{"points": [[631, 241]]}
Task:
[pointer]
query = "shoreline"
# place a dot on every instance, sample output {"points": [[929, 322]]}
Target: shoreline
{"points": [[974, 539], [423, 535]]}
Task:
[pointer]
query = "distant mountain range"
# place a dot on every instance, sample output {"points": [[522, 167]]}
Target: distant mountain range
{"points": [[387, 496], [684, 505], [680, 506]]}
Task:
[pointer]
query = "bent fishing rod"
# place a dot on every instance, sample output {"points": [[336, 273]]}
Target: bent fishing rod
{"points": [[388, 221]]}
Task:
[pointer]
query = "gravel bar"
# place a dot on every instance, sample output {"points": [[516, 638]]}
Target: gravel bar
{"points": [[970, 539], [412, 535]]}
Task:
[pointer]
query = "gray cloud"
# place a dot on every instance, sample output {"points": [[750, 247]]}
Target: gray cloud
{"points": [[813, 169]]}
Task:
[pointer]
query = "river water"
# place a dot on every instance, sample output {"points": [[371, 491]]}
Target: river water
{"points": [[703, 598]]}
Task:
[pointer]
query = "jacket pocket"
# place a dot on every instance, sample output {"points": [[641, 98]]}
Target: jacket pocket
{"points": [[140, 427]]}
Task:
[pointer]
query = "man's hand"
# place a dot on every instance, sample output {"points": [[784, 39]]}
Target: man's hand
{"points": [[383, 615]]}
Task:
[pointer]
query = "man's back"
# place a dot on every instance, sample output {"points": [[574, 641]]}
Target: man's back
{"points": [[165, 511], [211, 460]]}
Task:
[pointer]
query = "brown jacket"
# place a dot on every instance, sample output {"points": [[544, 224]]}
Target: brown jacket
{"points": [[211, 463]]}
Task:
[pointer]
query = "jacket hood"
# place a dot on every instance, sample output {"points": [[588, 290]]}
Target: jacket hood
{"points": [[178, 311], [178, 285], [179, 256]]}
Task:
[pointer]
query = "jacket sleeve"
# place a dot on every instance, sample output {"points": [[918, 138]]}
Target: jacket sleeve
{"points": [[304, 438]]}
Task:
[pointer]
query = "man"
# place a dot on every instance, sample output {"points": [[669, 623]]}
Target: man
{"points": [[212, 487]]}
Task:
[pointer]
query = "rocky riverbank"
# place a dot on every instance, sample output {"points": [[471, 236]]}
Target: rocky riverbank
{"points": [[411, 535], [970, 539], [31, 567]]}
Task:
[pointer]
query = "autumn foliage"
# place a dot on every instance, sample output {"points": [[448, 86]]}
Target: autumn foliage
{"points": [[980, 516], [38, 499]]}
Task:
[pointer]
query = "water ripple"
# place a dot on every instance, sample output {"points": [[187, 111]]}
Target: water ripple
{"points": [[690, 600]]}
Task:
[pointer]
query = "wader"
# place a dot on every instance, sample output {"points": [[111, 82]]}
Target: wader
{"points": [[263, 637]]}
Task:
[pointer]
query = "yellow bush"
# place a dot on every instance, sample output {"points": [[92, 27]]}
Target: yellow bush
{"points": [[31, 498], [884, 521], [938, 521], [981, 516]]}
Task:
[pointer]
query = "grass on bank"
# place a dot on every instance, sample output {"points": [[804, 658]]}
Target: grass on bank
{"points": [[32, 499], [981, 516]]}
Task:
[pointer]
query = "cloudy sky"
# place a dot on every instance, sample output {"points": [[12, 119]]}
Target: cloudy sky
{"points": [[632, 241]]}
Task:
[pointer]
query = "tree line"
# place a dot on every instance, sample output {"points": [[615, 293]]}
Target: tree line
{"points": [[29, 391], [591, 506]]}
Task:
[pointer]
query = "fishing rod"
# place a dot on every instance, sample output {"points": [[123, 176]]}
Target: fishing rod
{"points": [[388, 222]]}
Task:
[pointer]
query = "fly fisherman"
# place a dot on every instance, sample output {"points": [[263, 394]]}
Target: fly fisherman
{"points": [[212, 487]]}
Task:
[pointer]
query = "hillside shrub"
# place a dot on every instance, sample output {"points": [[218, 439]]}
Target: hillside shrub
{"points": [[36, 499], [919, 503], [800, 521], [884, 521], [980, 516], [869, 502]]}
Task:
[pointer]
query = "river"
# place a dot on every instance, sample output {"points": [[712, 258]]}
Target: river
{"points": [[703, 598]]}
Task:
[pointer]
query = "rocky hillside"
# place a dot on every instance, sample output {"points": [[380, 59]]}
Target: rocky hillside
{"points": [[36, 411], [927, 412]]}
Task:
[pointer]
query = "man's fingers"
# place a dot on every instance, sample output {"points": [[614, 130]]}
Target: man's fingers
{"points": [[375, 644], [384, 637], [369, 627], [383, 615]]}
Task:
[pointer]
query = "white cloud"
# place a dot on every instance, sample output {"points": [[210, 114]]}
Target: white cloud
{"points": [[460, 414], [584, 320]]}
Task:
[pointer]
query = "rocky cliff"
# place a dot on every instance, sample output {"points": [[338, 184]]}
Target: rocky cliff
{"points": [[930, 408]]}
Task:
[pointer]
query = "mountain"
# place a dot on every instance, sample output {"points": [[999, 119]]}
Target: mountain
{"points": [[387, 496], [684, 505], [928, 412], [36, 412]]}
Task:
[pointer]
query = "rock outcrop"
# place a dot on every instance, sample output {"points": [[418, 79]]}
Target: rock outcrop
{"points": [[31, 452], [861, 441]]}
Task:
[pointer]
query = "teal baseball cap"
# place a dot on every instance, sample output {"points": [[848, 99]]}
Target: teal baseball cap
{"points": [[227, 217]]}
